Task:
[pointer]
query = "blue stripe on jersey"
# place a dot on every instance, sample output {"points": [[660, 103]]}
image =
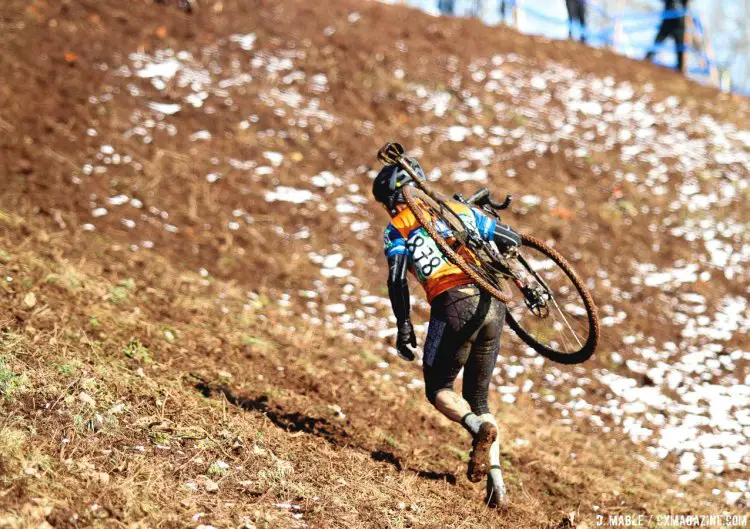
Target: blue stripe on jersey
{"points": [[393, 242], [443, 229], [490, 232], [485, 225], [397, 247]]}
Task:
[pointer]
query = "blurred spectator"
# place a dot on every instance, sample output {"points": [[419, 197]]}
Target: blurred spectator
{"points": [[446, 6], [503, 8], [672, 26], [576, 18]]}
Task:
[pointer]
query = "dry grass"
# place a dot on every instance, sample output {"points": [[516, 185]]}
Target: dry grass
{"points": [[102, 423]]}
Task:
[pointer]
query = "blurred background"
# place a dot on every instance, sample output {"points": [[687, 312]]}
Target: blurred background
{"points": [[717, 41], [195, 325]]}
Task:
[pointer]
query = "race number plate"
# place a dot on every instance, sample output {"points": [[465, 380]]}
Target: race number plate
{"points": [[426, 256]]}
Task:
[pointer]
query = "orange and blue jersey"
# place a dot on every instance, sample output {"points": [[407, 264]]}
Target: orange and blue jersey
{"points": [[406, 236]]}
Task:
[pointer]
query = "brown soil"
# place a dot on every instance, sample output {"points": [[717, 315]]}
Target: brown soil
{"points": [[200, 329]]}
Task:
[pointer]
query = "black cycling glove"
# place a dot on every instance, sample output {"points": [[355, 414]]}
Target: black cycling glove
{"points": [[404, 339]]}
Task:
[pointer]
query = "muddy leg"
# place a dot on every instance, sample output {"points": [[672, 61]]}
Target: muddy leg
{"points": [[483, 432], [453, 406], [496, 493]]}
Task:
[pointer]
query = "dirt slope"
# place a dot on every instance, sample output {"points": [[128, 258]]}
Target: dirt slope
{"points": [[187, 199]]}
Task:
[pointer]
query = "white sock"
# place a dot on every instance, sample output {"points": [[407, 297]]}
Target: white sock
{"points": [[496, 485], [495, 477], [472, 423]]}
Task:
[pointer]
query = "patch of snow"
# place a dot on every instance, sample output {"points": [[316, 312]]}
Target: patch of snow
{"points": [[290, 194]]}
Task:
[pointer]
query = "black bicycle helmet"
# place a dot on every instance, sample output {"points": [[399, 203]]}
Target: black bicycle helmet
{"points": [[388, 184]]}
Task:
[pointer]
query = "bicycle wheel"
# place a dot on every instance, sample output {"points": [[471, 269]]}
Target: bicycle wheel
{"points": [[556, 315], [475, 263]]}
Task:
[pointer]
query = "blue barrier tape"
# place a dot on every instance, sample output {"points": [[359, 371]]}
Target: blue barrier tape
{"points": [[543, 16], [658, 15], [606, 35], [651, 15], [658, 48], [669, 47], [698, 54], [593, 34], [624, 19], [630, 23], [640, 29]]}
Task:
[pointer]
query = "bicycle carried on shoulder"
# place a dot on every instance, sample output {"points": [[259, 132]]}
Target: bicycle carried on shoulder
{"points": [[555, 316]]}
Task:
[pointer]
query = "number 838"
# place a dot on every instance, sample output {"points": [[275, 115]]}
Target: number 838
{"points": [[426, 257]]}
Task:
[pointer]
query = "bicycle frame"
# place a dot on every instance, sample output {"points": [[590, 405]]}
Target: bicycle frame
{"points": [[498, 268], [393, 153]]}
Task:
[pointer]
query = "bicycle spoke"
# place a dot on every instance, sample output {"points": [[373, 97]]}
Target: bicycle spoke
{"points": [[553, 314], [566, 322], [576, 319], [491, 267], [562, 336]]}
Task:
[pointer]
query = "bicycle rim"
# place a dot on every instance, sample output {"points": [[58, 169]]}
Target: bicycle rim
{"points": [[427, 210], [565, 328]]}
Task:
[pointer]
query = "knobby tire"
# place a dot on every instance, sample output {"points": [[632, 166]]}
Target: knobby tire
{"points": [[589, 347]]}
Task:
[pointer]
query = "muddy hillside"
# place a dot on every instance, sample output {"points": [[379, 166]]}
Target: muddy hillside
{"points": [[195, 329]]}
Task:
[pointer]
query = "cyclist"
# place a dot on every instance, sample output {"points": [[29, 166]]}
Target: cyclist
{"points": [[465, 322]]}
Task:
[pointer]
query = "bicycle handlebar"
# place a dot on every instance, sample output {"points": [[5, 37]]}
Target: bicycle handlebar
{"points": [[482, 197], [505, 204], [479, 196]]}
